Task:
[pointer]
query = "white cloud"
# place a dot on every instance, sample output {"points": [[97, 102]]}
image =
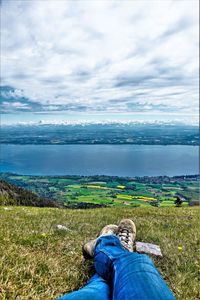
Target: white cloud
{"points": [[101, 55]]}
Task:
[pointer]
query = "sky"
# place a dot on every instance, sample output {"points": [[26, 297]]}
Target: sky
{"points": [[99, 60]]}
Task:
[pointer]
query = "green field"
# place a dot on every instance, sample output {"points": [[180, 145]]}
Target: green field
{"points": [[38, 262], [110, 191]]}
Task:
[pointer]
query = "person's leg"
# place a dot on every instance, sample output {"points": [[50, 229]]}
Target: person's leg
{"points": [[133, 276], [96, 289]]}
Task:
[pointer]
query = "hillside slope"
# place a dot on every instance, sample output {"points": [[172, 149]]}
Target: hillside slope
{"points": [[13, 195], [38, 262]]}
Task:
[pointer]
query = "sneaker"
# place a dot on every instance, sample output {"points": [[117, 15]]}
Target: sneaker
{"points": [[127, 233], [88, 248]]}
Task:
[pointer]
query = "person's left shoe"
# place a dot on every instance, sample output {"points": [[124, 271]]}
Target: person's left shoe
{"points": [[88, 248]]}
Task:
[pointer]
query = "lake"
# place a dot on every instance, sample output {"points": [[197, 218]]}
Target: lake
{"points": [[116, 160]]}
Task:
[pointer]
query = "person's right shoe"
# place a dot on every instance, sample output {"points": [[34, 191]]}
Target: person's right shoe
{"points": [[88, 248], [127, 233]]}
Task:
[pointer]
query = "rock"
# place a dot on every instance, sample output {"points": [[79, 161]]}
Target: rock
{"points": [[7, 208], [61, 227], [148, 249]]}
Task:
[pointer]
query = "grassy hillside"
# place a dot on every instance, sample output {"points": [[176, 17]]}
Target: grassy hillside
{"points": [[13, 195], [39, 262]]}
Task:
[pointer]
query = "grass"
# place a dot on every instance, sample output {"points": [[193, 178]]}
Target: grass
{"points": [[39, 262]]}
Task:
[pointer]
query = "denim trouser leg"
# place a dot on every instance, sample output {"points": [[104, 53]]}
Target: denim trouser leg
{"points": [[133, 276], [96, 289]]}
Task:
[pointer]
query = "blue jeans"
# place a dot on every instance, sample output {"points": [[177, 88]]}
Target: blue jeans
{"points": [[121, 275]]}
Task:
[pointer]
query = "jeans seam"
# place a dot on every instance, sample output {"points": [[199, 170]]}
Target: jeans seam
{"points": [[106, 253]]}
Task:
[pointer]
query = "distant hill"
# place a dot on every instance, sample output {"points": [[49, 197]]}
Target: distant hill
{"points": [[13, 195]]}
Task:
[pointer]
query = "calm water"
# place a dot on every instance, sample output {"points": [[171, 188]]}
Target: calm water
{"points": [[120, 160]]}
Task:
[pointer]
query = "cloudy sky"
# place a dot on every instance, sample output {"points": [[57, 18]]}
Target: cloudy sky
{"points": [[73, 60]]}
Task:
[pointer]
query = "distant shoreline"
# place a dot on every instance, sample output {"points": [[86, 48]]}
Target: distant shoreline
{"points": [[185, 177], [101, 134], [109, 144]]}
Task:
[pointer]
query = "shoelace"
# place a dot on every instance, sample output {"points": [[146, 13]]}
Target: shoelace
{"points": [[125, 238]]}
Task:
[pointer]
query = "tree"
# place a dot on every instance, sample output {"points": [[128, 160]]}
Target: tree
{"points": [[178, 202]]}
